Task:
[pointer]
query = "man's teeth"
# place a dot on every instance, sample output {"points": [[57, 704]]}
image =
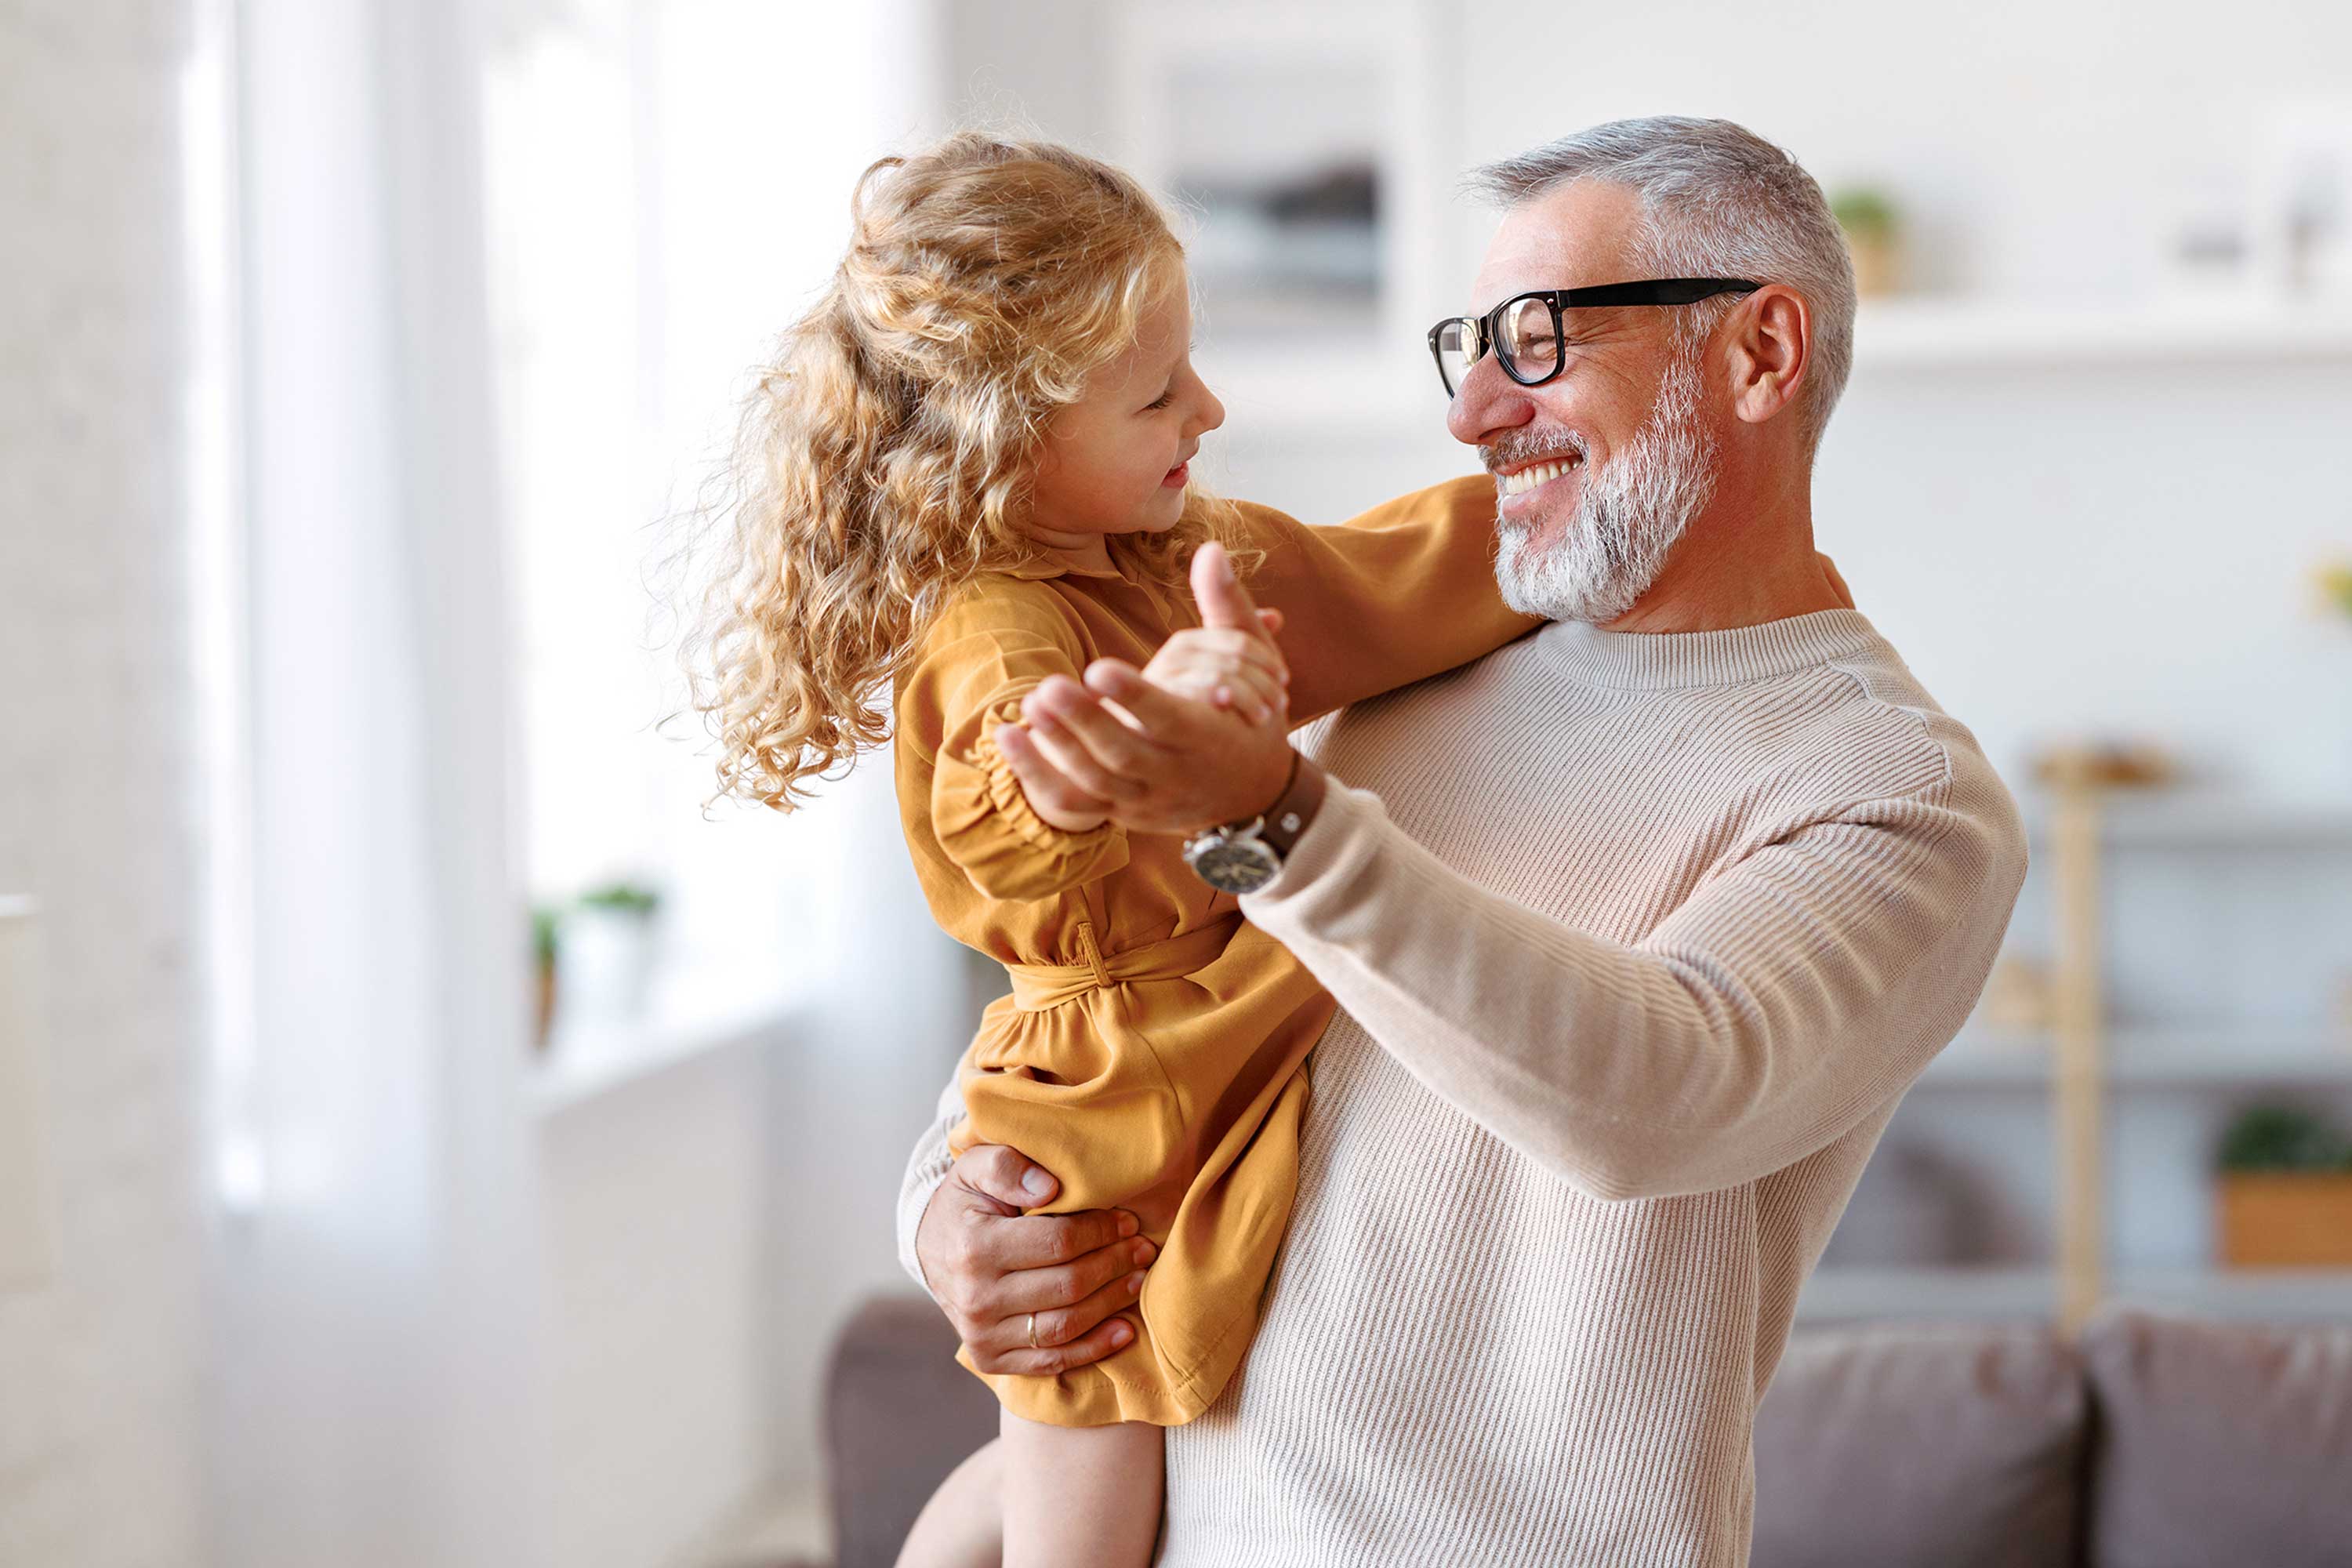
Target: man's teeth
{"points": [[1529, 479]]}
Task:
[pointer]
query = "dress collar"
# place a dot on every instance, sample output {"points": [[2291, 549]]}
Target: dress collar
{"points": [[1056, 566]]}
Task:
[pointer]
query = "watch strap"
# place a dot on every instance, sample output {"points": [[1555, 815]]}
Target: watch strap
{"points": [[1293, 809]]}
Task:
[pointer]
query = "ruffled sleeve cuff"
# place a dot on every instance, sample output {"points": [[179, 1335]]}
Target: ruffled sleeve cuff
{"points": [[988, 826]]}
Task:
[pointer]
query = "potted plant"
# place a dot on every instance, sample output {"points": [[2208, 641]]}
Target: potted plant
{"points": [[2286, 1191], [546, 943], [2333, 579], [608, 952], [1873, 234]]}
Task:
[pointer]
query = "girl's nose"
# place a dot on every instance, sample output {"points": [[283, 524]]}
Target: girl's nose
{"points": [[1212, 413]]}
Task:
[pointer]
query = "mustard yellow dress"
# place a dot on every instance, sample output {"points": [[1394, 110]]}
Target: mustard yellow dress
{"points": [[1151, 1053]]}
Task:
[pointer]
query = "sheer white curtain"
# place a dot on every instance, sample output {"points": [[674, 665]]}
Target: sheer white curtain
{"points": [[378, 1392]]}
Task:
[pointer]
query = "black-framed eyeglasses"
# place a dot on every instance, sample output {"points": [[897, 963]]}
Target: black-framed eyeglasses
{"points": [[1524, 331]]}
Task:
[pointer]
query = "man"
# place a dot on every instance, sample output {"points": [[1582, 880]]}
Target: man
{"points": [[1640, 926]]}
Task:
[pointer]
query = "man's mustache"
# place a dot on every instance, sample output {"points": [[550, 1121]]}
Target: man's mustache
{"points": [[1529, 446]]}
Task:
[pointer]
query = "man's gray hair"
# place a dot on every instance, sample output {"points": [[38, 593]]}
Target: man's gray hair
{"points": [[1718, 201]]}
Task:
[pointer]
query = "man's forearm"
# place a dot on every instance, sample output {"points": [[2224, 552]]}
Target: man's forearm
{"points": [[927, 1167], [1805, 985]]}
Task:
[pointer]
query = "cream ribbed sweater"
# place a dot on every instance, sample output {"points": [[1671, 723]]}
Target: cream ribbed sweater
{"points": [[1638, 939]]}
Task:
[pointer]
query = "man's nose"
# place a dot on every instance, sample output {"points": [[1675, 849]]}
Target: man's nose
{"points": [[1486, 403]]}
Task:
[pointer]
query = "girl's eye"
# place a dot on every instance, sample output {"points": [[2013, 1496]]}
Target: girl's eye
{"points": [[1163, 400]]}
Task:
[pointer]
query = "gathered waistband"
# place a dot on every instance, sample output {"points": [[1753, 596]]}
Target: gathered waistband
{"points": [[1037, 986]]}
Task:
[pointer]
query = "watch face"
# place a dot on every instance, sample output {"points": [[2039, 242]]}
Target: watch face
{"points": [[1234, 865]]}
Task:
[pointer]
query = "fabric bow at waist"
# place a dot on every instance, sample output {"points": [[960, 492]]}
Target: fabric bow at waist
{"points": [[1037, 986]]}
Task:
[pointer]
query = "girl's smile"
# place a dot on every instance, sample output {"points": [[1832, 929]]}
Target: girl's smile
{"points": [[1118, 459]]}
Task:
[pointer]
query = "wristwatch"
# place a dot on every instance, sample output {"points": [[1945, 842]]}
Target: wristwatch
{"points": [[1242, 856]]}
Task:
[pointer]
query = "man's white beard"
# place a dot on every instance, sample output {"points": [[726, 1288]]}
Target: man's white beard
{"points": [[1629, 514]]}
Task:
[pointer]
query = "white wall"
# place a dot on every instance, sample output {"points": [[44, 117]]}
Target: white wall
{"points": [[2056, 547], [100, 1392], [2041, 144], [2053, 549], [657, 1420]]}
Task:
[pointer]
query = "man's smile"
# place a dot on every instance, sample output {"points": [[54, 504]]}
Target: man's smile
{"points": [[1520, 480]]}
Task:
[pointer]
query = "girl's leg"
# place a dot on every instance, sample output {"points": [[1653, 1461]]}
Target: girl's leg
{"points": [[1080, 1497], [963, 1524]]}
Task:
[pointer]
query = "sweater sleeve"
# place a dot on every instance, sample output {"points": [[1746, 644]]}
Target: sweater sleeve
{"points": [[1802, 985], [927, 1167], [975, 669], [1401, 593]]}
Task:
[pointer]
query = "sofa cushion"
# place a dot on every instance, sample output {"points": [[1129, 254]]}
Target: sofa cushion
{"points": [[899, 1414], [1923, 1446], [2219, 1442]]}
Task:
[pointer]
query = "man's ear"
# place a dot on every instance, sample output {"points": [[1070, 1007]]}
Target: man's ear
{"points": [[1771, 350]]}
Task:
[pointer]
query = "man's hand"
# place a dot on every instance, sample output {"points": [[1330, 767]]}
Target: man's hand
{"points": [[1163, 764], [990, 1266]]}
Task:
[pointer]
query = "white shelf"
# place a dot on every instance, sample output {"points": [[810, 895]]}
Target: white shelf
{"points": [[1933, 333], [2191, 819], [584, 1063], [1383, 388], [2155, 1058], [1834, 1293]]}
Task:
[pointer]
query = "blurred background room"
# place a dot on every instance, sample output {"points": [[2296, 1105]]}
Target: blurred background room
{"points": [[429, 1136]]}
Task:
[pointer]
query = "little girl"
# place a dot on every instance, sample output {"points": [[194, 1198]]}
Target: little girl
{"points": [[968, 470]]}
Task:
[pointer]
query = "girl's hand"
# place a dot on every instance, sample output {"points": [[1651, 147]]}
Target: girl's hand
{"points": [[1071, 811], [1226, 668]]}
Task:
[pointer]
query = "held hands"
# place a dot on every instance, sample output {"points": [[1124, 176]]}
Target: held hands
{"points": [[1238, 670], [1120, 748]]}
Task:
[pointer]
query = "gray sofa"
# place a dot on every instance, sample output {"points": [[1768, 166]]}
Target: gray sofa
{"points": [[2151, 1442]]}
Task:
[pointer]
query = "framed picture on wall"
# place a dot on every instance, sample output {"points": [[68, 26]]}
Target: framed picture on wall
{"points": [[2303, 200], [1315, 163]]}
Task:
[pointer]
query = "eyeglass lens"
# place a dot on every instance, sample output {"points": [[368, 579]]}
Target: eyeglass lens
{"points": [[1524, 336], [1454, 341], [1526, 339]]}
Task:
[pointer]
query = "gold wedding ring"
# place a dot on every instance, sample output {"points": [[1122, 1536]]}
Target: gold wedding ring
{"points": [[1033, 1330]]}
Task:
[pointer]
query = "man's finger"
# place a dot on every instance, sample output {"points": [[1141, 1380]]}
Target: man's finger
{"points": [[1222, 600], [1272, 621], [1060, 1296], [1159, 715], [1051, 792], [1105, 1339], [1050, 1240], [1002, 1173], [1071, 757], [1117, 748], [1058, 1325]]}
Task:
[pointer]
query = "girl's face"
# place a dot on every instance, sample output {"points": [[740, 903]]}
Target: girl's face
{"points": [[1116, 461]]}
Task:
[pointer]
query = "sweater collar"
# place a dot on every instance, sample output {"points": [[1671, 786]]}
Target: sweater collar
{"points": [[1663, 660]]}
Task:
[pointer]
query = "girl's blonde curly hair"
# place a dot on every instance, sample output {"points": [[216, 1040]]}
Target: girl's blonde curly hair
{"points": [[885, 456]]}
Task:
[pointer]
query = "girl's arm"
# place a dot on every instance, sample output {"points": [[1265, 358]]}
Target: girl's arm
{"points": [[1404, 592], [982, 659]]}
